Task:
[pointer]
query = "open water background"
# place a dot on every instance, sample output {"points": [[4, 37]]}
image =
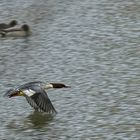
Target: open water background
{"points": [[92, 45]]}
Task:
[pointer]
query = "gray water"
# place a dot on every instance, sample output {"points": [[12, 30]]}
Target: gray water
{"points": [[91, 45]]}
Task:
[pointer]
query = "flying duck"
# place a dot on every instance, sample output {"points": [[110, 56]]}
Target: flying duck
{"points": [[5, 26], [36, 95], [22, 31]]}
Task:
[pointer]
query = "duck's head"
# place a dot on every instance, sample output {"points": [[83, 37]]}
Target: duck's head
{"points": [[25, 27], [13, 23], [55, 85], [59, 85]]}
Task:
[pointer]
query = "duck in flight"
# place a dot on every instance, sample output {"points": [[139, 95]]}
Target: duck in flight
{"points": [[36, 95]]}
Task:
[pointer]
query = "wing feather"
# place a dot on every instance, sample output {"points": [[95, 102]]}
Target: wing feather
{"points": [[43, 102], [32, 103]]}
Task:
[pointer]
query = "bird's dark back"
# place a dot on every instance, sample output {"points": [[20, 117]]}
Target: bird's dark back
{"points": [[31, 85]]}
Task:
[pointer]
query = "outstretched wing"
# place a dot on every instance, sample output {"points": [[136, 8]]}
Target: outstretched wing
{"points": [[31, 85], [43, 102], [32, 103], [39, 100]]}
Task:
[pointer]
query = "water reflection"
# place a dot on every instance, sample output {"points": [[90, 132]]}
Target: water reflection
{"points": [[39, 119], [36, 120]]}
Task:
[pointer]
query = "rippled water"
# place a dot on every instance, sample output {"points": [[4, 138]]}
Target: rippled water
{"points": [[89, 44]]}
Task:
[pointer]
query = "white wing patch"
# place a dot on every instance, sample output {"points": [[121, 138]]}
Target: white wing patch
{"points": [[29, 92]]}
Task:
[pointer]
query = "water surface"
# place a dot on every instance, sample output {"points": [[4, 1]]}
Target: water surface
{"points": [[91, 45]]}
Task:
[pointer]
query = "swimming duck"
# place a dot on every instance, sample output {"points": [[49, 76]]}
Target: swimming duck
{"points": [[36, 95], [5, 26], [22, 31]]}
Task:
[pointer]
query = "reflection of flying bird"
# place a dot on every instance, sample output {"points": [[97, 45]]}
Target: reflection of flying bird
{"points": [[35, 94]]}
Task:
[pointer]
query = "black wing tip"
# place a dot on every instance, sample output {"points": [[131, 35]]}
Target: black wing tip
{"points": [[50, 112]]}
